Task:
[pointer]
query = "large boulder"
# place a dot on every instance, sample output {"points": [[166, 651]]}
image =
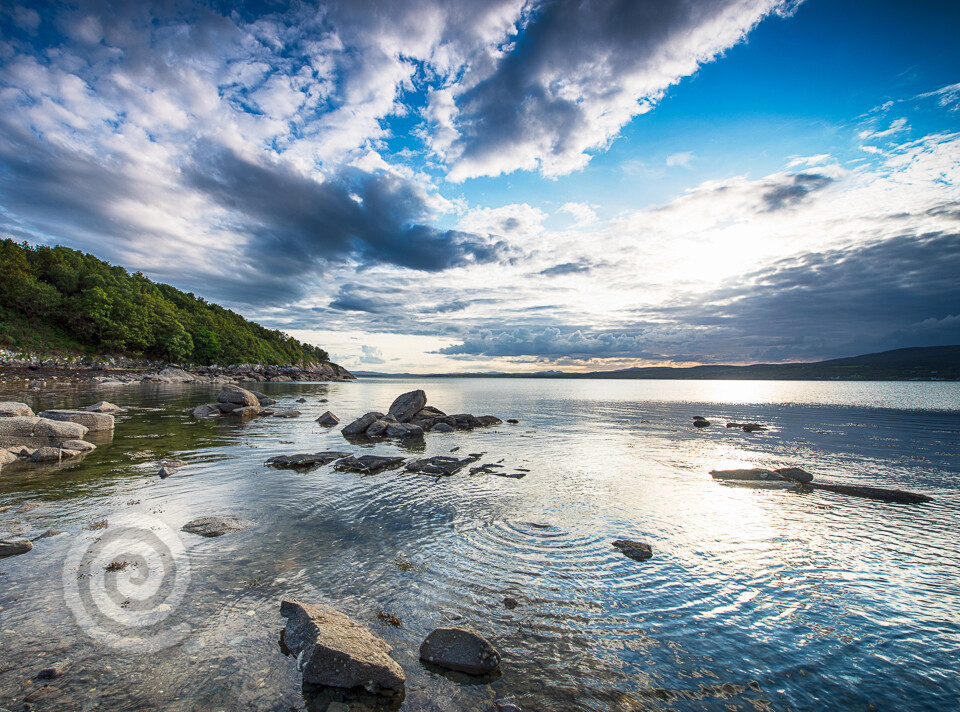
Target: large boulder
{"points": [[359, 426], [408, 405], [460, 649], [335, 651], [88, 419], [18, 425], [9, 409], [403, 430], [59, 429], [240, 396]]}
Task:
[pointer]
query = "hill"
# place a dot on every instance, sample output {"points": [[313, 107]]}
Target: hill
{"points": [[54, 300]]}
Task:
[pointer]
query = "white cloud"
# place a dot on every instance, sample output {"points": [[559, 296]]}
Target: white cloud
{"points": [[682, 159]]}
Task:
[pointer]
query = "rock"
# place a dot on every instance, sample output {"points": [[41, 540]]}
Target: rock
{"points": [[359, 426], [306, 460], [246, 412], [460, 649], [510, 603], [240, 396], [506, 705], [795, 474], [878, 493], [6, 457], [287, 414], [167, 462], [335, 651], [328, 419], [753, 474], [376, 429], [512, 421], [91, 421], [264, 400], [47, 454], [369, 464], [50, 533], [403, 430], [752, 427], [636, 550], [215, 526], [9, 409], [60, 430], [14, 547], [78, 445], [440, 465], [442, 428], [301, 400], [486, 420], [104, 407], [52, 673], [407, 405], [206, 410], [701, 422], [18, 425], [165, 472]]}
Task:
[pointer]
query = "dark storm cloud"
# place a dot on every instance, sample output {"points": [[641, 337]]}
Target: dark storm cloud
{"points": [[888, 294], [358, 298], [296, 221], [793, 190]]}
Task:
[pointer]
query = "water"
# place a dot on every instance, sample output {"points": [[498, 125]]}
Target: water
{"points": [[754, 600]]}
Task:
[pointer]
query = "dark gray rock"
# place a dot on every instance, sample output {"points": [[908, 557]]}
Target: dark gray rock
{"points": [[165, 472], [287, 414], [403, 430], [305, 460], [14, 547], [333, 650], [49, 454], [207, 410], [369, 464], [701, 423], [442, 428], [215, 526], [240, 396], [636, 550], [877, 493], [377, 428], [301, 400], [460, 649], [513, 421], [440, 465], [795, 474], [486, 420], [359, 426], [407, 405], [328, 419], [510, 603], [50, 533]]}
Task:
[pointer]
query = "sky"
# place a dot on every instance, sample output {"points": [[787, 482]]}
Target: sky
{"points": [[512, 185]]}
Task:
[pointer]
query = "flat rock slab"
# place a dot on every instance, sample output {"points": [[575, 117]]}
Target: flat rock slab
{"points": [[306, 460], [14, 547], [91, 421], [460, 649], [795, 474], [440, 465], [636, 550], [754, 474], [104, 407], [877, 493], [9, 409], [215, 526], [335, 651], [369, 464]]}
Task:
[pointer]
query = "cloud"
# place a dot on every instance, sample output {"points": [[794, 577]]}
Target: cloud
{"points": [[576, 73], [582, 212], [371, 355], [682, 159], [566, 268], [788, 193]]}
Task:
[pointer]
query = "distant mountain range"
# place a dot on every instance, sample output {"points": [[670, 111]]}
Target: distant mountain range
{"points": [[931, 363]]}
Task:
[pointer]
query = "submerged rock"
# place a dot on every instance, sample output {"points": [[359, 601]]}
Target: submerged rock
{"points": [[305, 460], [328, 419], [14, 547], [405, 406], [460, 649], [78, 445], [440, 465], [90, 420], [636, 550], [877, 493], [287, 414], [52, 454], [754, 474], [104, 407], [442, 428], [369, 464], [9, 409], [335, 651], [795, 474], [206, 410], [215, 526]]}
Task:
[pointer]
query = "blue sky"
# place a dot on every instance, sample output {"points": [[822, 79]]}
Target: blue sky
{"points": [[428, 185]]}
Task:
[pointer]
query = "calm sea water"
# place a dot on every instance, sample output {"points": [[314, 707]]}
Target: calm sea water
{"points": [[754, 600]]}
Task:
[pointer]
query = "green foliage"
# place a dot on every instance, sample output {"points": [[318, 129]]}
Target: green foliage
{"points": [[83, 301]]}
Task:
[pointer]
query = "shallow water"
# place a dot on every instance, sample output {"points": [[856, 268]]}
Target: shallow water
{"points": [[754, 600]]}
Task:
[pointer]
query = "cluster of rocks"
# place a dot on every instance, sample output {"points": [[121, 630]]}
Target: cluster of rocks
{"points": [[795, 478], [50, 437], [332, 650], [410, 416], [700, 422], [241, 403]]}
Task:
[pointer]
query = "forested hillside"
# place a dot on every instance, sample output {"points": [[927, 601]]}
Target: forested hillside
{"points": [[54, 299]]}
